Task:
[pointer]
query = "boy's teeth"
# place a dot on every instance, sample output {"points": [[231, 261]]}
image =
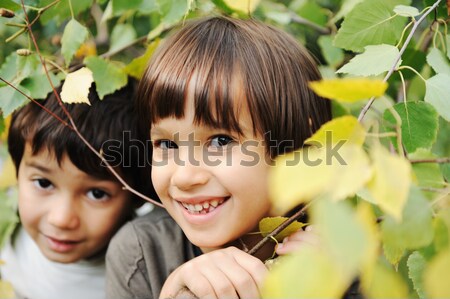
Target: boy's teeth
{"points": [[205, 205], [198, 207], [214, 203], [202, 208]]}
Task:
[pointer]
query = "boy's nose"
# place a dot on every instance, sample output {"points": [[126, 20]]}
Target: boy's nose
{"points": [[63, 213], [189, 174]]}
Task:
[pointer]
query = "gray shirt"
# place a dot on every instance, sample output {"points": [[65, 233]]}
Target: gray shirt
{"points": [[143, 253]]}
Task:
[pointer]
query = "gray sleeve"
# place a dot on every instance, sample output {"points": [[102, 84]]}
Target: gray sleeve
{"points": [[125, 267]]}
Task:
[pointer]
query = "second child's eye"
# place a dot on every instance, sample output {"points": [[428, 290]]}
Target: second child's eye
{"points": [[221, 141], [97, 194], [165, 144], [43, 184]]}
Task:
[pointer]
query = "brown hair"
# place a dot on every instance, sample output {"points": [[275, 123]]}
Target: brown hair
{"points": [[220, 52]]}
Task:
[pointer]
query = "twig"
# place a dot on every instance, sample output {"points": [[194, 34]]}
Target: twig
{"points": [[299, 20], [436, 160], [75, 128], [279, 229], [399, 56]]}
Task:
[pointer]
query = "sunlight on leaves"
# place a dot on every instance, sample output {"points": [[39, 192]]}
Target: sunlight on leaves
{"points": [[335, 171], [349, 89], [436, 276], [374, 61], [76, 86], [73, 37], [390, 189], [345, 128], [268, 224], [317, 277]]}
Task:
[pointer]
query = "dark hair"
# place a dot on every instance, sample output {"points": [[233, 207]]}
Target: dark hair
{"points": [[103, 121], [266, 65]]}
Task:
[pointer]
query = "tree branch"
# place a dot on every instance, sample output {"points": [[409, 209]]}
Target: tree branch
{"points": [[399, 56], [299, 20], [435, 160]]}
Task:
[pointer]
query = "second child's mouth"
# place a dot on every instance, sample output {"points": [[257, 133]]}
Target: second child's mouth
{"points": [[203, 207]]}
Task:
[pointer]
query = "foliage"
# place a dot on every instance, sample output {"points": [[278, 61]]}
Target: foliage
{"points": [[381, 201]]}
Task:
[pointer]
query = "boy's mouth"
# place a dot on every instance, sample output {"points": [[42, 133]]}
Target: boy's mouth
{"points": [[203, 207]]}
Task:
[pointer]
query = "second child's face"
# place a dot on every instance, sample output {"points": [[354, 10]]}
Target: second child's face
{"points": [[212, 182], [69, 214]]}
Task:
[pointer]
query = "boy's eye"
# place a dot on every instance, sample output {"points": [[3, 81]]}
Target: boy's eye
{"points": [[97, 194], [221, 140], [165, 144], [43, 184]]}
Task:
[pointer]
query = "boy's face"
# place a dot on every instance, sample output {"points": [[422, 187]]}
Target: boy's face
{"points": [[212, 182], [69, 214]]}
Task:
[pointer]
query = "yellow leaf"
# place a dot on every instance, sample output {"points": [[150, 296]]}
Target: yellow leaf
{"points": [[436, 276], [268, 224], [246, 6], [308, 273], [6, 290], [4, 135], [312, 172], [7, 174], [76, 86], [348, 89], [86, 49], [391, 181], [345, 128], [383, 282]]}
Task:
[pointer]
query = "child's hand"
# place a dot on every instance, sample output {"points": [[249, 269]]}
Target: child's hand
{"points": [[223, 273], [298, 239]]}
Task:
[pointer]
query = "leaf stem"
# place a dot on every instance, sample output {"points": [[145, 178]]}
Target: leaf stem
{"points": [[435, 160], [407, 67], [280, 228], [399, 56]]}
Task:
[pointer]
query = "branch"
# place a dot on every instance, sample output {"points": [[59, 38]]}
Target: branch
{"points": [[75, 128], [279, 229], [435, 160], [299, 20], [399, 56]]}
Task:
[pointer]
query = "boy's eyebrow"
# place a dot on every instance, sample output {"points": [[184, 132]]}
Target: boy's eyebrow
{"points": [[37, 166]]}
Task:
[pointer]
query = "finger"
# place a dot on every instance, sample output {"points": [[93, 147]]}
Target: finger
{"points": [[219, 279], [296, 241]]}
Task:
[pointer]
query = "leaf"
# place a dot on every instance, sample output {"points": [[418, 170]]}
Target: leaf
{"points": [[172, 11], [441, 226], [6, 290], [8, 70], [447, 42], [438, 61], [370, 23], [345, 128], [8, 215], [438, 89], [73, 37], [415, 230], [7, 174], [428, 174], [268, 224], [436, 276], [348, 89], [12, 99], [107, 76], [389, 188], [334, 171], [419, 124], [406, 11], [374, 61], [122, 35], [333, 55], [393, 253], [312, 272], [311, 11], [245, 6], [9, 4], [76, 87], [28, 66], [416, 264], [384, 283], [137, 66], [39, 86], [121, 6], [61, 11], [346, 7]]}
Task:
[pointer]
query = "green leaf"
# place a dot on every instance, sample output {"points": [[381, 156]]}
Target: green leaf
{"points": [[121, 6], [369, 23], [438, 89], [28, 66], [334, 56], [428, 174], [61, 11], [74, 36], [244, 6], [441, 226], [438, 61], [38, 85], [9, 4], [8, 216], [346, 7], [2, 125], [393, 253], [416, 228], [384, 282], [436, 276], [419, 124], [107, 76], [122, 35], [447, 42], [406, 11], [374, 61], [172, 11], [311, 11], [137, 66], [312, 272], [8, 70], [416, 265], [12, 99], [268, 224]]}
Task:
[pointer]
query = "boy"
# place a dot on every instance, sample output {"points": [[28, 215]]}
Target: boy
{"points": [[70, 205]]}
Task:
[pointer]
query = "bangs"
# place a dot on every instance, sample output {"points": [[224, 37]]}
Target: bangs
{"points": [[207, 70]]}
